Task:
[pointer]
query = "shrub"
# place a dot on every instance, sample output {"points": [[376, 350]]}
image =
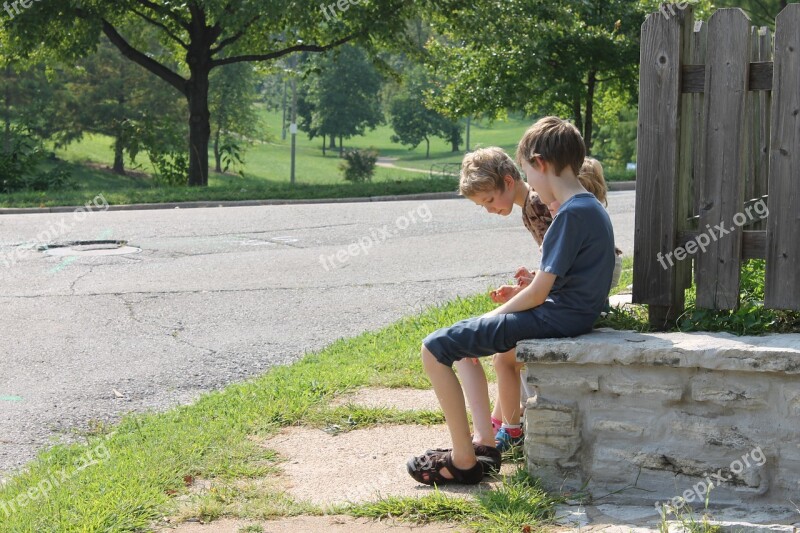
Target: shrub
{"points": [[359, 165], [20, 166]]}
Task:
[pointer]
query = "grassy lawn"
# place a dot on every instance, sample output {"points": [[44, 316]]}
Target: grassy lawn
{"points": [[267, 170]]}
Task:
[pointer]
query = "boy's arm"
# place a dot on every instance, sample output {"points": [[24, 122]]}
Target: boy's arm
{"points": [[531, 296]]}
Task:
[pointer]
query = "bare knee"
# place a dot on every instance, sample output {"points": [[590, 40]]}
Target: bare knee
{"points": [[428, 358], [505, 362]]}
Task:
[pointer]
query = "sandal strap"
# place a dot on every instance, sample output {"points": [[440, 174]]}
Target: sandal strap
{"points": [[470, 476]]}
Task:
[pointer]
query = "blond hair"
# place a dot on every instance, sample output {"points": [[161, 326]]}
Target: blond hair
{"points": [[592, 179], [556, 141], [484, 170]]}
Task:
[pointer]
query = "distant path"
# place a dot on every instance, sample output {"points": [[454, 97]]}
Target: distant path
{"points": [[388, 162]]}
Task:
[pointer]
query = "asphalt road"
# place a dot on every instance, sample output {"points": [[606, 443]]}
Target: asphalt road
{"points": [[219, 295]]}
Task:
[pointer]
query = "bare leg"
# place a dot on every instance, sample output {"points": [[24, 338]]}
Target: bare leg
{"points": [[473, 379], [451, 399], [497, 412], [508, 384]]}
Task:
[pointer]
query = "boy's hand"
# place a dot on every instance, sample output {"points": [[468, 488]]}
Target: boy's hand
{"points": [[503, 294], [524, 276]]}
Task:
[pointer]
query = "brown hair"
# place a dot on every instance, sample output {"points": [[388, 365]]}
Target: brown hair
{"points": [[484, 170], [592, 179], [556, 141]]}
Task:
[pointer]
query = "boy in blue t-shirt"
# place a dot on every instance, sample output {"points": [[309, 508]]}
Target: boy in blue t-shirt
{"points": [[564, 299]]}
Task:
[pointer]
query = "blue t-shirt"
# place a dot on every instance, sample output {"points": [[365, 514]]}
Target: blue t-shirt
{"points": [[579, 249]]}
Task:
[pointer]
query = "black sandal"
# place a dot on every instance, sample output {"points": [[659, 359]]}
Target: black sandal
{"points": [[426, 469], [489, 456]]}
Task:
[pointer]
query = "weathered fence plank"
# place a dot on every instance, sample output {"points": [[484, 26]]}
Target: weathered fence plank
{"points": [[724, 167], [782, 289], [657, 162]]}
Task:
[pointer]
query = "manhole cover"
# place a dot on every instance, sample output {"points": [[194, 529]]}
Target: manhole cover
{"points": [[90, 248]]}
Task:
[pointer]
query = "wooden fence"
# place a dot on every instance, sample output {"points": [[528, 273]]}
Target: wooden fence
{"points": [[718, 159]]}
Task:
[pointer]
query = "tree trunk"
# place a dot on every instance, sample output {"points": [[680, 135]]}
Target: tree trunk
{"points": [[7, 109], [576, 112], [590, 89], [217, 155], [199, 124], [119, 155], [324, 146], [341, 147], [454, 142], [332, 145], [427, 148]]}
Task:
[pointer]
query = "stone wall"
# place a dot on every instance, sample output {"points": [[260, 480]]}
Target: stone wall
{"points": [[641, 418]]}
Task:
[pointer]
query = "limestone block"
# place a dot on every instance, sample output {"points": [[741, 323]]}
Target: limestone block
{"points": [[567, 377], [551, 431], [618, 427], [744, 391], [651, 384]]}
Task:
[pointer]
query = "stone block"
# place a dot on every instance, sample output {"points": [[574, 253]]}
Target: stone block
{"points": [[647, 383], [747, 391], [571, 377]]}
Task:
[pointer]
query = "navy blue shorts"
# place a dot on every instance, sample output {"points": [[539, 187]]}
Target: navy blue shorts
{"points": [[479, 336]]}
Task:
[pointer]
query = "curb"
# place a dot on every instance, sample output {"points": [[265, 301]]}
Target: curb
{"points": [[621, 185], [612, 186], [240, 203]]}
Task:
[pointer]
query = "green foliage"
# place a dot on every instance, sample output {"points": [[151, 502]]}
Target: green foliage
{"points": [[538, 56], [22, 160], [615, 135], [359, 165], [413, 121], [342, 98], [750, 318], [230, 155], [171, 167], [234, 120], [19, 159]]}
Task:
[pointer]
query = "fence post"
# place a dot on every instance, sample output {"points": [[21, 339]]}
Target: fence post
{"points": [[657, 169], [782, 290]]}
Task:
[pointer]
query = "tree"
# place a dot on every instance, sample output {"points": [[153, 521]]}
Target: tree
{"points": [[413, 122], [540, 57], [342, 99], [115, 97], [33, 103], [234, 120], [207, 34]]}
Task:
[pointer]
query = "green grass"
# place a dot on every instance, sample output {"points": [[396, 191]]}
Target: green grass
{"points": [[141, 467], [518, 504]]}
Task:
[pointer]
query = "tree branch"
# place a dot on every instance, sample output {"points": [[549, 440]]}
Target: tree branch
{"points": [[284, 52], [163, 27], [233, 38], [165, 11], [142, 60]]}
